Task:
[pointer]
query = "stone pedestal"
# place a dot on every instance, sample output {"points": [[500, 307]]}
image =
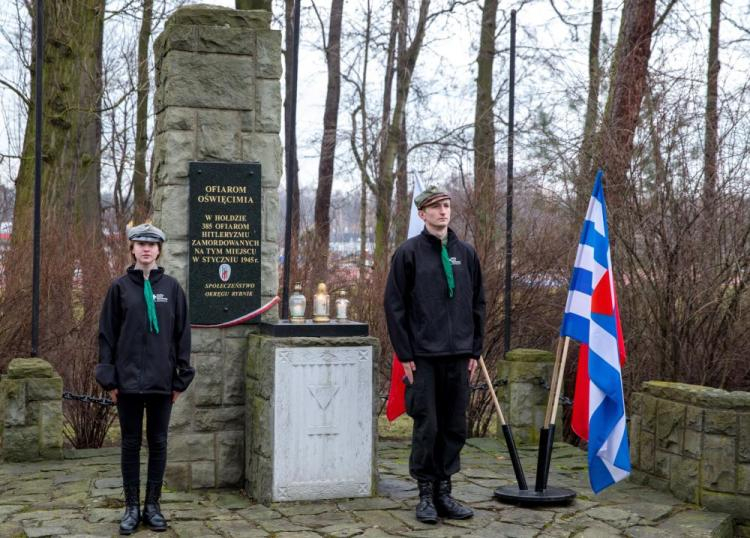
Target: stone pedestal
{"points": [[31, 411], [310, 419], [523, 375], [218, 98]]}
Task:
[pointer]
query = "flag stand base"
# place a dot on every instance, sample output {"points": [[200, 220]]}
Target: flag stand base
{"points": [[541, 494], [530, 497]]}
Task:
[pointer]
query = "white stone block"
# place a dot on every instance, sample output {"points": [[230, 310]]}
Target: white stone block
{"points": [[322, 435]]}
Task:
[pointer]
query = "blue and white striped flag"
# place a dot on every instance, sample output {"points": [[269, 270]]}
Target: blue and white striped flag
{"points": [[592, 318]]}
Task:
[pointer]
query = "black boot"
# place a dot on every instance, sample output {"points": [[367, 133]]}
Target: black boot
{"points": [[152, 516], [446, 505], [426, 512], [132, 516]]}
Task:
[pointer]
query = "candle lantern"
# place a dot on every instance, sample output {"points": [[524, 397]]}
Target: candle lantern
{"points": [[342, 306], [297, 304], [320, 305]]}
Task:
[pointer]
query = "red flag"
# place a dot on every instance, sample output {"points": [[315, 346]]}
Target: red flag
{"points": [[580, 418], [396, 405]]}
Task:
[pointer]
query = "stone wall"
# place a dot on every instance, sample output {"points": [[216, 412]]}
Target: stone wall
{"points": [[31, 418], [523, 376], [695, 442], [218, 98]]}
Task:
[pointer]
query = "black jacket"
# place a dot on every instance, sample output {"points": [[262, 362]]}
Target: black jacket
{"points": [[132, 359], [423, 321]]}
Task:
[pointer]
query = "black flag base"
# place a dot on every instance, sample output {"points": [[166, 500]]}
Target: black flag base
{"points": [[530, 497], [541, 495]]}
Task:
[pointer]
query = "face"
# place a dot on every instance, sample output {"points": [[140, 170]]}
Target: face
{"points": [[145, 253], [437, 215]]}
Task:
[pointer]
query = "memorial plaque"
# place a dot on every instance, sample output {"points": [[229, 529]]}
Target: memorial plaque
{"points": [[225, 233]]}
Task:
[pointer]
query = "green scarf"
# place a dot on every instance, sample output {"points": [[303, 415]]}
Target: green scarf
{"points": [[153, 323], [448, 268]]}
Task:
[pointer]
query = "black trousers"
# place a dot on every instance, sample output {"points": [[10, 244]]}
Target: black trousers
{"points": [[130, 408], [437, 401]]}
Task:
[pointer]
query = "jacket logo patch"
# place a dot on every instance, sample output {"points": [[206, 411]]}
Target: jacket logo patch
{"points": [[160, 298], [454, 261]]}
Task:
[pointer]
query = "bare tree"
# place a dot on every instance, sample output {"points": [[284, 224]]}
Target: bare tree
{"points": [[328, 143], [711, 145], [140, 198]]}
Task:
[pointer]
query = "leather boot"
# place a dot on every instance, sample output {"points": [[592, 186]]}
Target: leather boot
{"points": [[152, 516], [426, 512], [446, 505], [132, 516]]}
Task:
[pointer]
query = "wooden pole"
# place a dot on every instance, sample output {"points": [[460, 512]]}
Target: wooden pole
{"points": [[553, 381], [561, 373], [491, 388]]}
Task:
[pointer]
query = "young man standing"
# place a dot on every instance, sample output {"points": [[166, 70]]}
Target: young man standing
{"points": [[434, 306]]}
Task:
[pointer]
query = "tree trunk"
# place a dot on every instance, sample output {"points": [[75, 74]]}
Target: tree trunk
{"points": [[585, 180], [328, 145], [711, 148], [71, 133], [484, 135], [392, 133], [401, 219], [140, 195], [614, 141]]}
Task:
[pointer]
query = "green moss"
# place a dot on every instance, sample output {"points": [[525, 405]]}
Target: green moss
{"points": [[529, 355]]}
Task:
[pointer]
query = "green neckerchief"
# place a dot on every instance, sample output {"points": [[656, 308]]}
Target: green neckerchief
{"points": [[447, 266], [148, 293]]}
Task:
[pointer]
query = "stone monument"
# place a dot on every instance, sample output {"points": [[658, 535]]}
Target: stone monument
{"points": [[218, 100]]}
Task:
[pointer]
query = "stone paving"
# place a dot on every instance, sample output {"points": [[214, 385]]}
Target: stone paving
{"points": [[81, 496]]}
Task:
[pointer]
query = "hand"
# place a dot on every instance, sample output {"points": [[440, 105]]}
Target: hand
{"points": [[472, 367], [409, 369], [113, 395], [175, 395]]}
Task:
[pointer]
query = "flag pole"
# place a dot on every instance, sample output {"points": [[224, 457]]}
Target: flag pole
{"points": [[556, 368], [542, 494], [558, 386], [547, 433], [507, 433]]}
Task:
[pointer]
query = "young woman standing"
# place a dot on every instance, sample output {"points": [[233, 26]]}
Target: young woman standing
{"points": [[144, 363]]}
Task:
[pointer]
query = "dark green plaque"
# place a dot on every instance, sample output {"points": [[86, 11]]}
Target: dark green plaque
{"points": [[225, 233]]}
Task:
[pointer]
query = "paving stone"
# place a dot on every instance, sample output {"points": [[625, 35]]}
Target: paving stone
{"points": [[236, 529], [646, 532], [615, 516], [322, 520], [9, 509], [505, 530], [649, 511], [341, 530], [258, 512], [375, 503], [380, 519], [43, 532], [294, 509], [280, 525], [698, 523], [100, 515], [189, 529], [82, 497], [108, 483]]}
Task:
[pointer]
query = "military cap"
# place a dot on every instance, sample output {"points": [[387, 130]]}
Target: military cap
{"points": [[147, 233], [429, 196]]}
